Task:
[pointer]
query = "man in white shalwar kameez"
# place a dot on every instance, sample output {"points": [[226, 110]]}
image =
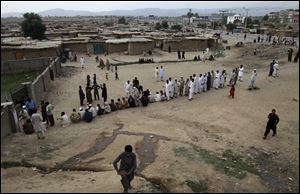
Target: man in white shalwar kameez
{"points": [[38, 125], [171, 83], [200, 83], [167, 90], [241, 73], [275, 67], [217, 79], [195, 85], [127, 88], [253, 78], [191, 89], [136, 96], [82, 62], [204, 82], [161, 73]]}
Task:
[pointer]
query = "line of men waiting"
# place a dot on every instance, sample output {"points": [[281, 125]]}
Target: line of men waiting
{"points": [[197, 84]]}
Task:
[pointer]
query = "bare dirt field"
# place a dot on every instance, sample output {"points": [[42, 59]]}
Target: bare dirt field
{"points": [[210, 144]]}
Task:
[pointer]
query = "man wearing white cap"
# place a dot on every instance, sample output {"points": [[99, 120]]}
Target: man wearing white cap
{"points": [[23, 116], [191, 89], [106, 108], [92, 110], [81, 112], [253, 78]]}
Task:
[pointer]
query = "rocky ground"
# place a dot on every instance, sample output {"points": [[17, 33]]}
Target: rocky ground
{"points": [[210, 144]]}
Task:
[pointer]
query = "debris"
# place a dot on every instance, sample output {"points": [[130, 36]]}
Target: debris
{"points": [[34, 168], [295, 99], [290, 178]]}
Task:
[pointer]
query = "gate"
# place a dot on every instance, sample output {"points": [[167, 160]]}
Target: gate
{"points": [[98, 48]]}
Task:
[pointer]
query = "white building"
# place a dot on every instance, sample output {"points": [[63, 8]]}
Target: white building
{"points": [[231, 19]]}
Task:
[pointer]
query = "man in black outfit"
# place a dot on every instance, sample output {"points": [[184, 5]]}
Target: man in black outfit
{"points": [[127, 167], [272, 123]]}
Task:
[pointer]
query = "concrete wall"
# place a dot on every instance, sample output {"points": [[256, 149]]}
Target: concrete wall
{"points": [[9, 120], [189, 45], [175, 46], [77, 47], [113, 48], [36, 90], [42, 84], [135, 48], [10, 53], [24, 65], [7, 54], [90, 48]]}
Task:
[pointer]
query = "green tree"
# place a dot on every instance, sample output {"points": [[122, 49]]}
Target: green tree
{"points": [[190, 13], [266, 17], [196, 15], [157, 26], [176, 27], [122, 20], [164, 24], [32, 26]]}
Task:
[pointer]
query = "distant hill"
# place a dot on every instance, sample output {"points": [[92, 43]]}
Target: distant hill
{"points": [[257, 9]]}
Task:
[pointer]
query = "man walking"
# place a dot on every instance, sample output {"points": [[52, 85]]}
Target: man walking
{"points": [[272, 123], [82, 62], [161, 73], [127, 167], [253, 78]]}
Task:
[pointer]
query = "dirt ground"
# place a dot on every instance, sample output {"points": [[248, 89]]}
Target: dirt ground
{"points": [[210, 144]]}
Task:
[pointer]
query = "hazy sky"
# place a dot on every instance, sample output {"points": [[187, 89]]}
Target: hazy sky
{"points": [[37, 6]]}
